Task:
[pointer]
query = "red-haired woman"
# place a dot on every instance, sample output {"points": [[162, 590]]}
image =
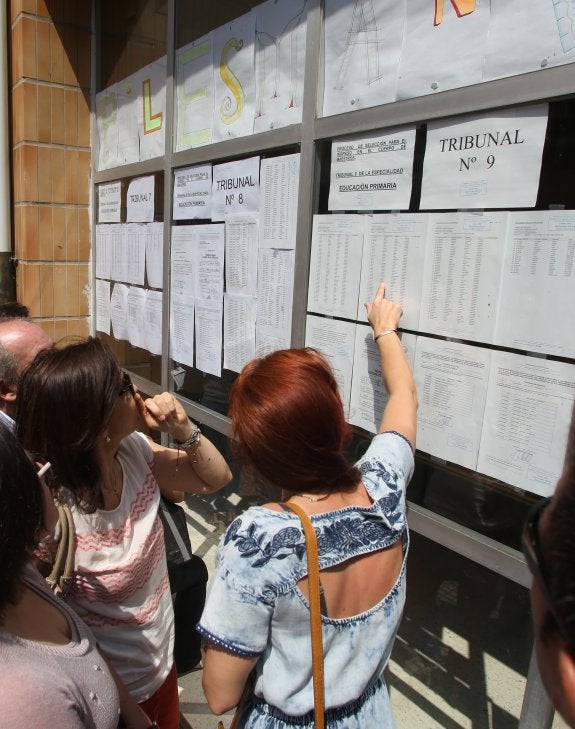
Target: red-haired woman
{"points": [[288, 420]]}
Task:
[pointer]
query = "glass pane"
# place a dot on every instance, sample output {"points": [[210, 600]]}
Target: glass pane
{"points": [[463, 649], [133, 34], [206, 16]]}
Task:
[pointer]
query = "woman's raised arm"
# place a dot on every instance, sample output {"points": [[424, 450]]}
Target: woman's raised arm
{"points": [[400, 413]]}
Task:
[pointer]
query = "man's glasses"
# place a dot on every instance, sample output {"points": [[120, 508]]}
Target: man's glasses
{"points": [[126, 386], [531, 545]]}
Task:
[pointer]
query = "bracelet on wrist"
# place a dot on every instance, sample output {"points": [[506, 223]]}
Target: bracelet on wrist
{"points": [[384, 334], [191, 441]]}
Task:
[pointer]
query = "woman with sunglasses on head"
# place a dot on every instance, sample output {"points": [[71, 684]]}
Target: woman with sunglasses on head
{"points": [[51, 673], [79, 411], [288, 419]]}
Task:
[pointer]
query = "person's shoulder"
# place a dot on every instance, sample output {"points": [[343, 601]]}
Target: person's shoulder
{"points": [[388, 461], [261, 537], [139, 443]]}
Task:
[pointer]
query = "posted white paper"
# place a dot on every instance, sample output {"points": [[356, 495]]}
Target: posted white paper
{"points": [[107, 128], [538, 283], [118, 257], [368, 394], [362, 49], [279, 182], [208, 267], [153, 321], [129, 91], [136, 305], [182, 329], [462, 273], [372, 173], [275, 293], [241, 254], [194, 93], [134, 251], [336, 341], [109, 202], [209, 336], [182, 262], [140, 200], [394, 252], [235, 188], [485, 161], [155, 254], [103, 306], [234, 84], [451, 384], [335, 266], [526, 421], [193, 193], [239, 330], [103, 250], [279, 63], [527, 35], [453, 34], [152, 108], [119, 311]]}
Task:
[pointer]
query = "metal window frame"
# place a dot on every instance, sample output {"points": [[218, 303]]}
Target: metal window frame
{"points": [[536, 87]]}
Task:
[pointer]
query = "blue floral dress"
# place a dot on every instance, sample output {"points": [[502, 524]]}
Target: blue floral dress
{"points": [[255, 608]]}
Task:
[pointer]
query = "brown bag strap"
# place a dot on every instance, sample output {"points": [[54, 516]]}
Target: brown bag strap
{"points": [[315, 613], [62, 573]]}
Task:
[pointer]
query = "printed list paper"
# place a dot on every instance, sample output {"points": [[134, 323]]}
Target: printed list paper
{"points": [[526, 421]]}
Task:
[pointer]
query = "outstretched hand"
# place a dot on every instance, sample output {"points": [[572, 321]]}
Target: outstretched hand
{"points": [[382, 313]]}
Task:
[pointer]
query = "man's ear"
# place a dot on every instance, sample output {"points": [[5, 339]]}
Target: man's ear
{"points": [[7, 392], [566, 698]]}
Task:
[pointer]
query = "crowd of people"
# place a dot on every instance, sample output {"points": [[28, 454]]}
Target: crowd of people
{"points": [[72, 433]]}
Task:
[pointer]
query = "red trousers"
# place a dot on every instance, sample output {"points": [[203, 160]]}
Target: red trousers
{"points": [[163, 705]]}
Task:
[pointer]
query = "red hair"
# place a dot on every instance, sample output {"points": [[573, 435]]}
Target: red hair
{"points": [[288, 422]]}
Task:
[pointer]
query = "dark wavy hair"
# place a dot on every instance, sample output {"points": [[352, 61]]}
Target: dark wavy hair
{"points": [[559, 543], [288, 422], [65, 400], [20, 515]]}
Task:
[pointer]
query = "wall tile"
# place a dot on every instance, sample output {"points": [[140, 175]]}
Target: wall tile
{"points": [[63, 295], [47, 289], [44, 113], [56, 56], [58, 116], [30, 112], [43, 39], [18, 113], [29, 173], [44, 174], [84, 17], [29, 6], [72, 176], [16, 48], [42, 8], [46, 230], [28, 49], [60, 331], [84, 289], [28, 242], [71, 216], [70, 57], [78, 328], [59, 233], [83, 181], [71, 117], [83, 120], [84, 58], [30, 281], [58, 175], [84, 243]]}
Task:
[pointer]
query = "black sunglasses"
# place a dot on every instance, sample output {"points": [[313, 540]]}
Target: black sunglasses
{"points": [[126, 385], [531, 545]]}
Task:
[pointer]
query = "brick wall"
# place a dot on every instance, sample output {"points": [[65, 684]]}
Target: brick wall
{"points": [[50, 113]]}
